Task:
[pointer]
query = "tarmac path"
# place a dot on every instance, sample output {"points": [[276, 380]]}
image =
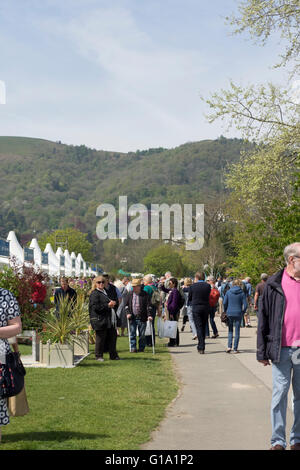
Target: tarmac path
{"points": [[224, 399]]}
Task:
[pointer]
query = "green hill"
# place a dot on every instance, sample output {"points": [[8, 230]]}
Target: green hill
{"points": [[46, 185]]}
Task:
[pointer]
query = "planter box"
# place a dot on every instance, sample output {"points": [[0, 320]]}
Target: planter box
{"points": [[57, 355], [81, 344]]}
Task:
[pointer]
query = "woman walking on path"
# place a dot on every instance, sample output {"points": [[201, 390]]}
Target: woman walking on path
{"points": [[103, 319], [235, 306], [173, 305], [10, 325]]}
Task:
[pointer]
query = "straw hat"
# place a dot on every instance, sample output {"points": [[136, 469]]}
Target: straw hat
{"points": [[136, 282]]}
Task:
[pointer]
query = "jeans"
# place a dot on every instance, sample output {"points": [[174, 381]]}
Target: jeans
{"points": [[191, 320], [136, 323], [287, 370], [237, 322]]}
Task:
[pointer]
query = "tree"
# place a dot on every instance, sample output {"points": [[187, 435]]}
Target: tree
{"points": [[76, 241], [262, 18], [163, 259], [264, 184]]}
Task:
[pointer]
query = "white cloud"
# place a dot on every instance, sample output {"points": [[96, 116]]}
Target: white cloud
{"points": [[157, 81]]}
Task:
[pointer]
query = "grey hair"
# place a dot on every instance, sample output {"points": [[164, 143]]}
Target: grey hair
{"points": [[291, 250]]}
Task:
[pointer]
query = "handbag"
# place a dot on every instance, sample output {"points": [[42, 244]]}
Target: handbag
{"points": [[224, 318], [12, 374], [170, 329], [18, 404]]}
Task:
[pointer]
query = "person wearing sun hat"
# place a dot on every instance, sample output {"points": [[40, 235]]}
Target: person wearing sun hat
{"points": [[103, 319], [138, 310]]}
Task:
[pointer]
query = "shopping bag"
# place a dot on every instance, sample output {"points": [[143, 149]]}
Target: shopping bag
{"points": [[18, 404], [148, 331], [170, 329], [160, 327]]}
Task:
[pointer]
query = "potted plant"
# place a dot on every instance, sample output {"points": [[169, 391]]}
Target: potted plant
{"points": [[57, 345], [80, 316]]}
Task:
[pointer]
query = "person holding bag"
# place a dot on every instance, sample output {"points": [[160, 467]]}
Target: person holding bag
{"points": [[173, 305], [10, 325], [103, 319]]}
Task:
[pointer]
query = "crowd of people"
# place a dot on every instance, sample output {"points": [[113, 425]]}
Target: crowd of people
{"points": [[195, 300], [115, 306]]}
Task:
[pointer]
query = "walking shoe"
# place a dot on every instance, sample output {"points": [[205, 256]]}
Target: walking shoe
{"points": [[248, 326], [295, 446], [195, 337], [100, 359], [133, 351], [215, 336], [277, 447], [228, 350], [200, 351], [235, 351]]}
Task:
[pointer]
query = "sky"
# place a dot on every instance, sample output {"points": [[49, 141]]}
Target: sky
{"points": [[122, 75]]}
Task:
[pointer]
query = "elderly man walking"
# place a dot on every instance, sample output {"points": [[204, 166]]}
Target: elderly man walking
{"points": [[278, 341], [138, 310]]}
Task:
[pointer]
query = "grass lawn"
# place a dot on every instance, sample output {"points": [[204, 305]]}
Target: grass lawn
{"points": [[110, 405]]}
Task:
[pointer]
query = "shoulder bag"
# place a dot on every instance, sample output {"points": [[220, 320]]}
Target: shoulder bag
{"points": [[12, 374]]}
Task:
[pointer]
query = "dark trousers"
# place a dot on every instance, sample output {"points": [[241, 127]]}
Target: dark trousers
{"points": [[174, 341], [212, 313], [200, 316], [106, 339]]}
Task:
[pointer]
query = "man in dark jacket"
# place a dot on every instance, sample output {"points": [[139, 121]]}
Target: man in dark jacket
{"points": [[199, 301], [64, 291], [278, 341], [138, 310]]}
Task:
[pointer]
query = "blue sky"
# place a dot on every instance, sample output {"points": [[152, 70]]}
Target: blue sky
{"points": [[124, 74]]}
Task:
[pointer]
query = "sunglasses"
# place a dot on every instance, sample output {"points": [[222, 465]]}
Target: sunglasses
{"points": [[100, 282]]}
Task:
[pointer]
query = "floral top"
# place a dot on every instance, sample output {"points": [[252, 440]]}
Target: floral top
{"points": [[9, 309]]}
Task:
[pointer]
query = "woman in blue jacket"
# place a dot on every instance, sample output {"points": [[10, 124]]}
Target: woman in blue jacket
{"points": [[235, 306]]}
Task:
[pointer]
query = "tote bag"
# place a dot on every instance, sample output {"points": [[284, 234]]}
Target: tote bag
{"points": [[170, 329], [18, 405]]}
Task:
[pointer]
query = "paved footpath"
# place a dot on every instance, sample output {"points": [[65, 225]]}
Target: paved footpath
{"points": [[224, 399]]}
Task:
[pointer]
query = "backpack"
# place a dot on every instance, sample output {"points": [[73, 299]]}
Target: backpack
{"points": [[214, 297], [155, 298]]}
